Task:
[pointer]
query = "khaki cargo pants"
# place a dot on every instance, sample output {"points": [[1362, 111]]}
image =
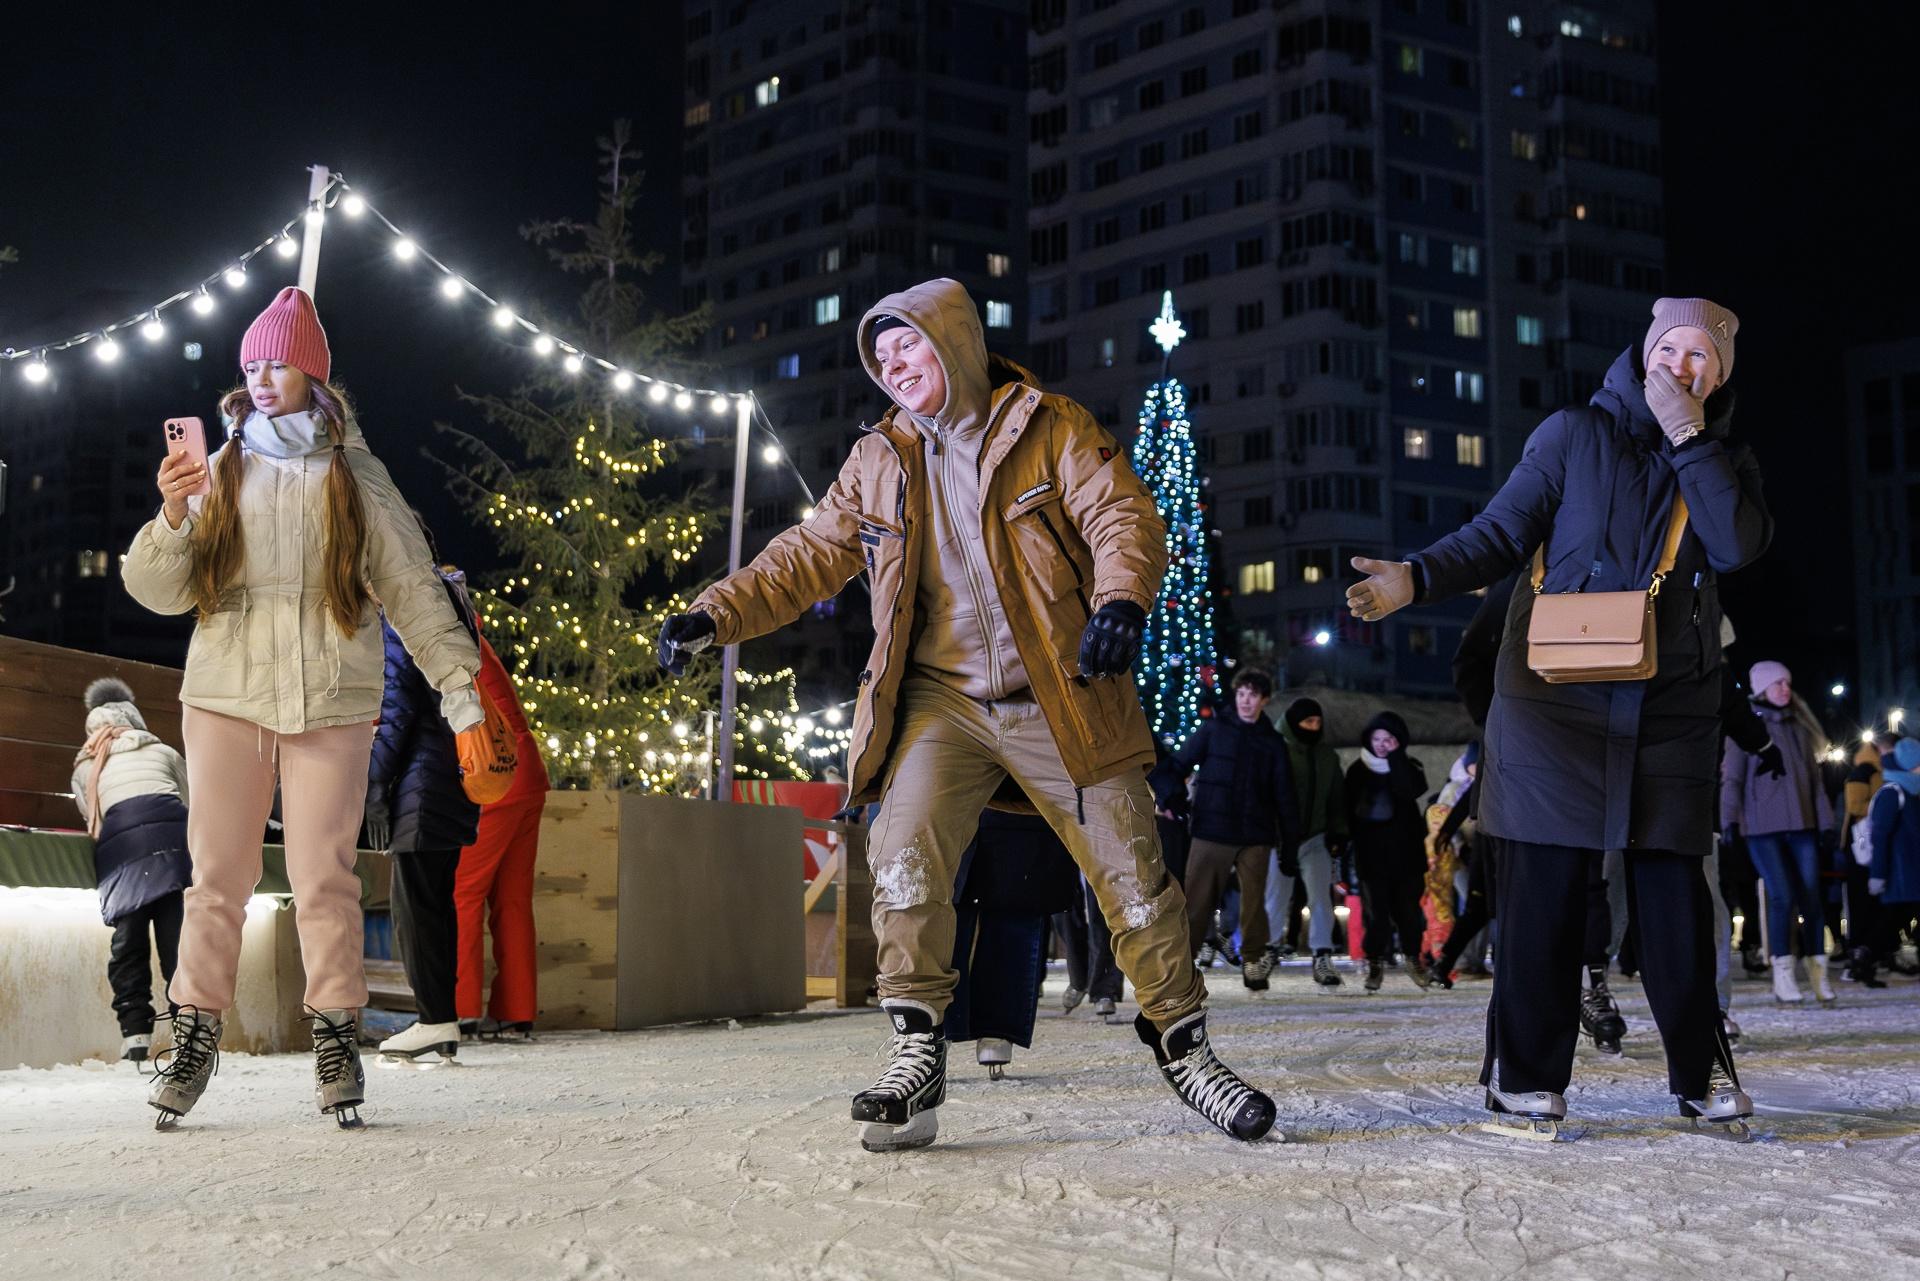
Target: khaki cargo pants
{"points": [[951, 754]]}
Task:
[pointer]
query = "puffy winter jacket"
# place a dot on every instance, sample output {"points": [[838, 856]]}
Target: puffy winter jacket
{"points": [[1383, 808], [1243, 791], [1067, 526], [1896, 844], [414, 767], [271, 654], [137, 764], [1318, 791], [1760, 803]]}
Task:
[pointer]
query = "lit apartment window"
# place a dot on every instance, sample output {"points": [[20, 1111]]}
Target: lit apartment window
{"points": [[1526, 146], [1470, 451], [1515, 27], [826, 310], [1466, 322], [1256, 578], [1312, 573], [1415, 443], [1466, 260], [1469, 387], [93, 564], [1413, 60], [999, 315], [1529, 330], [767, 92], [788, 366], [998, 265], [698, 114], [1106, 352], [830, 259]]}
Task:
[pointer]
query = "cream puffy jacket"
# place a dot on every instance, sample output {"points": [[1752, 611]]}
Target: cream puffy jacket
{"points": [[270, 654], [138, 764]]}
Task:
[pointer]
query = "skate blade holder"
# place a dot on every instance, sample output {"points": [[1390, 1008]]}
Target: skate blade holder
{"points": [[918, 1132], [1536, 1129], [1738, 1130], [347, 1117], [167, 1120], [425, 1061]]}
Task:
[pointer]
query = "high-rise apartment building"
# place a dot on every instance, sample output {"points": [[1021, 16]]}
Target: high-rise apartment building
{"points": [[1883, 494], [836, 151], [1399, 233]]}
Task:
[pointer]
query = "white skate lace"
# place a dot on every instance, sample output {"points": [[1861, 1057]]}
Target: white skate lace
{"points": [[1209, 1086], [912, 1059]]}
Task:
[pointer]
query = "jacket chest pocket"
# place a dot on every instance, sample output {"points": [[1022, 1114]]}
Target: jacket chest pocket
{"points": [[882, 549], [1047, 542]]}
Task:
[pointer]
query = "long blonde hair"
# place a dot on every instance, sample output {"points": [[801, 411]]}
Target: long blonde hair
{"points": [[219, 546]]}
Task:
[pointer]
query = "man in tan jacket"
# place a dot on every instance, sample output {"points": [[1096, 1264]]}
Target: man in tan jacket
{"points": [[1011, 555]]}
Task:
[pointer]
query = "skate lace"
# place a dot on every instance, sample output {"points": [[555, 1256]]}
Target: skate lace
{"points": [[1209, 1086], [911, 1057], [194, 1045], [332, 1045]]}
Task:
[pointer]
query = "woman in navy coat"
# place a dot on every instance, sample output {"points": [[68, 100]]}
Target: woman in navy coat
{"points": [[1575, 769]]}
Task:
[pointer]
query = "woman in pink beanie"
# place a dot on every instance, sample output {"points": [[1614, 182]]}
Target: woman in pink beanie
{"points": [[285, 561]]}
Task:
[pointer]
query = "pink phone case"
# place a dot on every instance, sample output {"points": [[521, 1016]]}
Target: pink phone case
{"points": [[188, 436]]}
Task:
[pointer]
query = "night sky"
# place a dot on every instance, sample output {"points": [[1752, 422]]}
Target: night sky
{"points": [[136, 152]]}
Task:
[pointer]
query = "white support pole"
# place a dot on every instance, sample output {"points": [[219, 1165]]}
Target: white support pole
{"points": [[310, 232], [730, 656]]}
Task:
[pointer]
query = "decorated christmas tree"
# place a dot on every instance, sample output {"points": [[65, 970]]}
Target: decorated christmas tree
{"points": [[601, 549], [1179, 654]]}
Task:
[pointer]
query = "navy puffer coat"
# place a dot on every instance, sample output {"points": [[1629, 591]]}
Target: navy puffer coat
{"points": [[414, 765], [1615, 764], [1243, 792]]}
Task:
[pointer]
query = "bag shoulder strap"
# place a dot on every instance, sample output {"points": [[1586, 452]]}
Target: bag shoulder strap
{"points": [[1669, 553]]}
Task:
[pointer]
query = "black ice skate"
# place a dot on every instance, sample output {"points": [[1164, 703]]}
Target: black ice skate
{"points": [[1725, 1111], [1535, 1115], [1202, 1081], [1376, 975], [339, 1083], [898, 1109], [1600, 1014], [1254, 973], [192, 1059], [1323, 973]]}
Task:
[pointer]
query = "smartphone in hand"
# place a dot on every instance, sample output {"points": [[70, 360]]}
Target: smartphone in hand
{"points": [[187, 437]]}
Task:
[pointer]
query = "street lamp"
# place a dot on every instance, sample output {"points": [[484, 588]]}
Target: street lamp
{"points": [[1839, 689], [1323, 638]]}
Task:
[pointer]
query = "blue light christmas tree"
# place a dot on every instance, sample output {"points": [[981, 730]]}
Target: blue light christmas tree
{"points": [[1179, 651]]}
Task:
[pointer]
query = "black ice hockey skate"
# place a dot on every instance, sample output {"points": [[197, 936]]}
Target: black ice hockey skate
{"points": [[1202, 1081], [1600, 1015], [897, 1110]]}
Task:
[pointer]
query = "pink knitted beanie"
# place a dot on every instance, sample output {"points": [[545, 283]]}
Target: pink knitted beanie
{"points": [[289, 331]]}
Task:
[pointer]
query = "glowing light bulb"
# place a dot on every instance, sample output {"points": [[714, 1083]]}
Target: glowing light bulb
{"points": [[405, 249], [718, 404], [108, 351], [451, 287], [153, 330], [1323, 637], [353, 206], [756, 725], [806, 513], [203, 304], [683, 402], [543, 345], [502, 317], [574, 364], [36, 372], [805, 725], [771, 454], [623, 381], [680, 729], [315, 217], [833, 716], [286, 247], [235, 277], [657, 393]]}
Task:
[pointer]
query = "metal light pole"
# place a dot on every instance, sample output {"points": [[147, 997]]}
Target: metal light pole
{"points": [[730, 656], [310, 239]]}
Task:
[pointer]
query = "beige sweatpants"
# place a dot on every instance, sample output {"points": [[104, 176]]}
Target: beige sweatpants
{"points": [[951, 754], [231, 767]]}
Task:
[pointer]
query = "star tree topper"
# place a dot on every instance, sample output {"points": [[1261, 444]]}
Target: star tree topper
{"points": [[1167, 329]]}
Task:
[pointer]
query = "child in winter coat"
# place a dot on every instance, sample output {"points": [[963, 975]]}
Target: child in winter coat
{"points": [[1894, 828], [300, 532], [132, 792], [1384, 788]]}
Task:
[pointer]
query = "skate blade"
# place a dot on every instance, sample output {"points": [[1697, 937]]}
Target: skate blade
{"points": [[1726, 1131], [918, 1132], [996, 1071], [1536, 1131], [425, 1061], [167, 1120], [347, 1117]]}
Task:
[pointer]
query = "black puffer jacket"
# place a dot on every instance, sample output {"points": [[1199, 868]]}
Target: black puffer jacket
{"points": [[1243, 793], [414, 765], [1611, 764], [1383, 809]]}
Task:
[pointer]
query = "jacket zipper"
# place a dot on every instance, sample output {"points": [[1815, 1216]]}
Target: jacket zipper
{"points": [[1079, 579], [871, 678], [995, 677]]}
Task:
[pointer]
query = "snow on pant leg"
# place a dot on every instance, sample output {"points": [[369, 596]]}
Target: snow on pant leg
{"points": [[1722, 930], [1674, 936], [1597, 937], [1614, 868], [130, 972], [1786, 863], [1104, 979], [943, 770], [1208, 863], [1316, 872], [1118, 849], [426, 929], [472, 888], [1277, 897], [1255, 925], [230, 772], [1533, 1020], [323, 793], [515, 997]]}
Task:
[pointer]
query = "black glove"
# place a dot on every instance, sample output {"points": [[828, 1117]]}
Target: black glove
{"points": [[379, 823], [1769, 761], [1112, 639], [1289, 860], [681, 637]]}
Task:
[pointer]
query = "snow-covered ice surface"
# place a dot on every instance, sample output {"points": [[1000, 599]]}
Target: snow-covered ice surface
{"points": [[720, 1151]]}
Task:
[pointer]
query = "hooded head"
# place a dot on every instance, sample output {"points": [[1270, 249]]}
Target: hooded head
{"points": [[1392, 724], [1300, 711], [941, 315], [1906, 754]]}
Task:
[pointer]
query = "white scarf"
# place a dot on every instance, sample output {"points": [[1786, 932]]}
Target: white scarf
{"points": [[293, 435], [1378, 764]]}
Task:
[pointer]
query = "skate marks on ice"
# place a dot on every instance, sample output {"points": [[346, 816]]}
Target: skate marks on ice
{"points": [[708, 1152]]}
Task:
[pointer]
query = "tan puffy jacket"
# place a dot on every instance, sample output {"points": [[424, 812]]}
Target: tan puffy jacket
{"points": [[1066, 526], [271, 655]]}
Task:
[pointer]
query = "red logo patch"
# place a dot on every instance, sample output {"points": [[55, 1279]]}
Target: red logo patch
{"points": [[1106, 455]]}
